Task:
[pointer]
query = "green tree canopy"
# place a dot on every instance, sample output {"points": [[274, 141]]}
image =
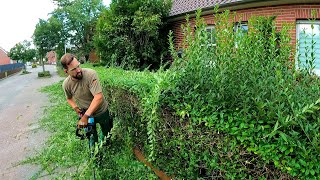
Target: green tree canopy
{"points": [[79, 19], [22, 52], [128, 33], [47, 35]]}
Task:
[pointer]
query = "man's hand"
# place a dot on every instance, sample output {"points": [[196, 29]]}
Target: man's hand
{"points": [[83, 122], [77, 110]]}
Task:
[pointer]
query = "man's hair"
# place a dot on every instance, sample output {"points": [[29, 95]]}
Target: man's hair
{"points": [[66, 59]]}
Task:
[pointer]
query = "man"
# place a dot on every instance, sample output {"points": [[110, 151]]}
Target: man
{"points": [[83, 91]]}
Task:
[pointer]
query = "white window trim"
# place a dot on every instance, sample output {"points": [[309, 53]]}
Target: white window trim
{"points": [[211, 27]]}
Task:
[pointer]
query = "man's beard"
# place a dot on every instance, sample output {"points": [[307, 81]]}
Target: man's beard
{"points": [[78, 76]]}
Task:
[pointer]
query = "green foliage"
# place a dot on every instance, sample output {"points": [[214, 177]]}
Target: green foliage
{"points": [[34, 65], [25, 72], [66, 156], [233, 111], [46, 36], [78, 18], [128, 35], [22, 52], [237, 110], [248, 92], [44, 74]]}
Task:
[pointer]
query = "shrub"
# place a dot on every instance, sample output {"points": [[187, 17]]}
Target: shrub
{"points": [[237, 110], [128, 33], [34, 65], [44, 74]]}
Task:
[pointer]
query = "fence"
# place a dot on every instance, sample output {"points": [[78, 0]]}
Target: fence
{"points": [[8, 69]]}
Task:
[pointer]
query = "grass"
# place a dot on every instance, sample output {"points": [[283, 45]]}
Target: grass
{"points": [[64, 156]]}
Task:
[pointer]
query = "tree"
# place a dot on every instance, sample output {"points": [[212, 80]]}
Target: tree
{"points": [[22, 52], [79, 19], [128, 33], [47, 36]]}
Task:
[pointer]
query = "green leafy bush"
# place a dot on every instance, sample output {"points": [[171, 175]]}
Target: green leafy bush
{"points": [[247, 91], [44, 74], [237, 110], [128, 35]]}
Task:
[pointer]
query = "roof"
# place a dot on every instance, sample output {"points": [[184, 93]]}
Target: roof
{"points": [[1, 49], [184, 6]]}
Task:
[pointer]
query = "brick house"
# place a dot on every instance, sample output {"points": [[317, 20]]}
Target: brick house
{"points": [[4, 58], [52, 57], [286, 11]]}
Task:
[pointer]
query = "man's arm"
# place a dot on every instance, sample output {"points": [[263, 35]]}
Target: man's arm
{"points": [[97, 99], [95, 103], [72, 103]]}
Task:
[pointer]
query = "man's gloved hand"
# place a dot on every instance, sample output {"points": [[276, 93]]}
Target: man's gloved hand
{"points": [[83, 122]]}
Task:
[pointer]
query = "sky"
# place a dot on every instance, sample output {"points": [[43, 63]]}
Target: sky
{"points": [[18, 19]]}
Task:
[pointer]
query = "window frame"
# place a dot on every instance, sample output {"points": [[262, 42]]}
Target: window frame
{"points": [[213, 42], [298, 31], [236, 25]]}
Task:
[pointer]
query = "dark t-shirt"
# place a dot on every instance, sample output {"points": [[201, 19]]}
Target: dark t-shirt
{"points": [[83, 90]]}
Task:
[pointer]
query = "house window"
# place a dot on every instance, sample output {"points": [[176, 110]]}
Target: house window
{"points": [[240, 30], [211, 35], [308, 45], [242, 27]]}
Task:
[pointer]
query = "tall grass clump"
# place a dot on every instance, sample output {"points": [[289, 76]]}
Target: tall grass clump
{"points": [[239, 109]]}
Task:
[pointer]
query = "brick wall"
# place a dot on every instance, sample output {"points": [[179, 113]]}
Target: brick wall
{"points": [[284, 13], [4, 59]]}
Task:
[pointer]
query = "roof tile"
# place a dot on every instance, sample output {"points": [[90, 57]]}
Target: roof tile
{"points": [[183, 6]]}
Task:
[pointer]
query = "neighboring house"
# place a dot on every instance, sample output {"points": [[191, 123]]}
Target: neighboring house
{"points": [[52, 57], [93, 57], [4, 58], [286, 11]]}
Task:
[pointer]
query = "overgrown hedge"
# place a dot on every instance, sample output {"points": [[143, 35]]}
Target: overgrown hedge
{"points": [[237, 110]]}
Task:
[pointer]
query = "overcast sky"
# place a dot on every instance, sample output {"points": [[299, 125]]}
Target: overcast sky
{"points": [[18, 19]]}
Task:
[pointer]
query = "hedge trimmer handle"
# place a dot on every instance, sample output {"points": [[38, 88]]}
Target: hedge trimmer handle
{"points": [[86, 131]]}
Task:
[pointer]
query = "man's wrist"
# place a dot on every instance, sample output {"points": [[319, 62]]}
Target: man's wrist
{"points": [[76, 107], [87, 115]]}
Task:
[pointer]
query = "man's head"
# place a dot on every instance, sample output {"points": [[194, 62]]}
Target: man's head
{"points": [[71, 66]]}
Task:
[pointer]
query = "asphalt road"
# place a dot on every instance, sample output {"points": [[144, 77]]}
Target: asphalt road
{"points": [[21, 106]]}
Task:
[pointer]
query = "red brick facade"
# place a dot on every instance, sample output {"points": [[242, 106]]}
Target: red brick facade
{"points": [[284, 13], [4, 59]]}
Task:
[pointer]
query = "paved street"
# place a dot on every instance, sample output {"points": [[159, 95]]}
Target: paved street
{"points": [[21, 106]]}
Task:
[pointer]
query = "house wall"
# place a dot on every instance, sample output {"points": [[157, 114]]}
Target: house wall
{"points": [[93, 57], [284, 13], [52, 57], [4, 59]]}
